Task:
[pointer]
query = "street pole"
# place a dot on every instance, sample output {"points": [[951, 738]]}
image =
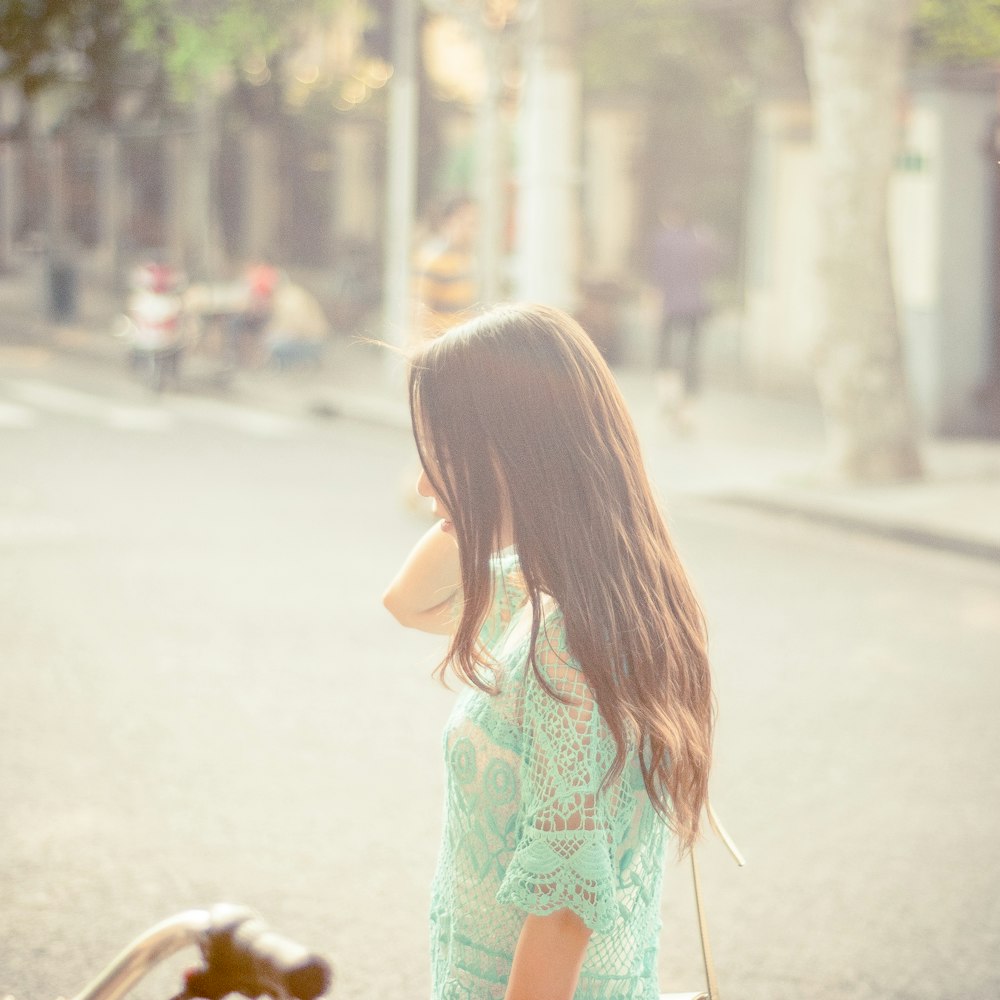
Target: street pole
{"points": [[56, 148], [489, 169], [548, 225], [401, 174], [10, 167], [203, 205], [11, 198], [110, 205]]}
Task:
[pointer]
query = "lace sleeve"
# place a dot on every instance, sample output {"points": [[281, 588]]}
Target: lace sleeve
{"points": [[571, 831]]}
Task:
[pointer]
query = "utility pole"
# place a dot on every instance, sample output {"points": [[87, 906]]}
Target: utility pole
{"points": [[548, 214], [401, 172], [11, 109], [110, 202], [203, 217], [489, 172]]}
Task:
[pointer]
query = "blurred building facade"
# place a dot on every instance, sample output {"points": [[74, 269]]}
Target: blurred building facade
{"points": [[944, 235], [212, 185]]}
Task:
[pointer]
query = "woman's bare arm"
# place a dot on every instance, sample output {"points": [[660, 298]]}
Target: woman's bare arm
{"points": [[548, 957], [423, 592]]}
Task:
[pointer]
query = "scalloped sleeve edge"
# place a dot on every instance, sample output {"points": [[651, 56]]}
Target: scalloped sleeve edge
{"points": [[541, 880]]}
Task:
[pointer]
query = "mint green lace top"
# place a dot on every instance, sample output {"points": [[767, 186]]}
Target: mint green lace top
{"points": [[527, 829]]}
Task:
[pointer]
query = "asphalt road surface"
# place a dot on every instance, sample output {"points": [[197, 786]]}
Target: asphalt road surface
{"points": [[202, 699]]}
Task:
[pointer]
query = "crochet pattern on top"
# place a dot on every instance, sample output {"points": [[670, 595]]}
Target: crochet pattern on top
{"points": [[528, 829]]}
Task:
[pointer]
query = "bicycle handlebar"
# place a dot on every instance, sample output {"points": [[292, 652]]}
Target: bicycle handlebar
{"points": [[241, 954]]}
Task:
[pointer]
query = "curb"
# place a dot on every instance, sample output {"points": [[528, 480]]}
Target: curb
{"points": [[910, 534], [334, 403], [352, 407]]}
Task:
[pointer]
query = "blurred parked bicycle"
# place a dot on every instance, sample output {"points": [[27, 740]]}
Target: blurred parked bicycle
{"points": [[239, 954]]}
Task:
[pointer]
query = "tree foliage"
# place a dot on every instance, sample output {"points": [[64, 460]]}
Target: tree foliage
{"points": [[44, 42], [959, 31], [87, 42], [627, 45], [31, 36], [197, 39], [194, 41], [623, 49]]}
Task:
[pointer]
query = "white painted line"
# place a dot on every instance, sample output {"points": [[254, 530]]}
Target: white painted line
{"points": [[138, 418], [34, 528], [71, 402], [53, 398], [13, 416], [240, 418]]}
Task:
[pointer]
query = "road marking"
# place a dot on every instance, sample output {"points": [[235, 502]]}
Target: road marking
{"points": [[30, 395], [241, 418], [53, 398], [70, 402], [138, 418], [14, 416], [15, 529]]}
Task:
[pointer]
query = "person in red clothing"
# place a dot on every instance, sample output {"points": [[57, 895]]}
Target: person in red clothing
{"points": [[246, 329]]}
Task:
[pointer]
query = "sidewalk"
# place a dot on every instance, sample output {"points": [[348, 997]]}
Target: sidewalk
{"points": [[752, 450]]}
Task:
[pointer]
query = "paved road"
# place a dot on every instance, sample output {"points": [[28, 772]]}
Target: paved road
{"points": [[203, 700]]}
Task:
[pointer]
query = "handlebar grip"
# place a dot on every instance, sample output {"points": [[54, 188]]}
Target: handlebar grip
{"points": [[278, 961], [243, 955]]}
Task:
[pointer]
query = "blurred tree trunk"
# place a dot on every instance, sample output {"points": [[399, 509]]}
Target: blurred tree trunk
{"points": [[110, 202], [261, 202], [177, 201], [207, 252], [855, 53], [55, 164], [10, 193]]}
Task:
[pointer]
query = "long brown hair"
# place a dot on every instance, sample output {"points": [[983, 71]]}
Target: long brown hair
{"points": [[520, 426]]}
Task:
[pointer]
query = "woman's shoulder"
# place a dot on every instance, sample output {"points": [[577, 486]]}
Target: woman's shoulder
{"points": [[506, 562], [509, 595], [550, 652], [509, 588], [554, 667]]}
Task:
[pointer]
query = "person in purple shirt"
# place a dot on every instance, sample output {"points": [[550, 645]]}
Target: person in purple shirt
{"points": [[680, 266]]}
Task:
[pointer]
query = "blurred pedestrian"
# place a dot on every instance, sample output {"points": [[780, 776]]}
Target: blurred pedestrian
{"points": [[445, 288], [297, 328], [582, 738], [680, 265], [245, 332], [445, 284]]}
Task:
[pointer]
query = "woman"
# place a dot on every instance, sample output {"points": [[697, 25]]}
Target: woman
{"points": [[583, 735]]}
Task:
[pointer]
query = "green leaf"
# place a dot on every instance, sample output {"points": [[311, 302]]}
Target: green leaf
{"points": [[962, 31]]}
